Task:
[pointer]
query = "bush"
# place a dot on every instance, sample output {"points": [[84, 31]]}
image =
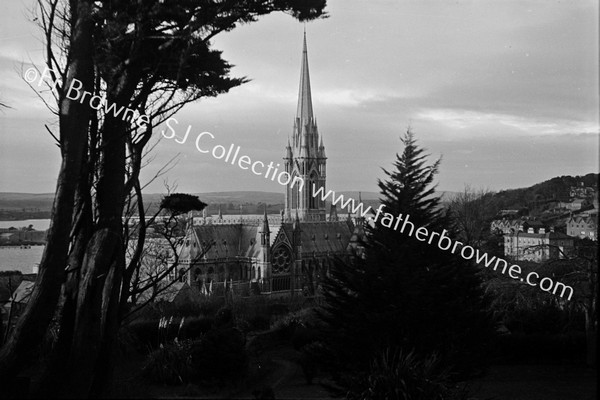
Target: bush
{"points": [[303, 336], [542, 318], [195, 327], [259, 323], [148, 335], [400, 375], [541, 348], [170, 364], [220, 356]]}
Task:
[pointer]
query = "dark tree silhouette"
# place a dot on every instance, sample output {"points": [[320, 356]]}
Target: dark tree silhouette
{"points": [[404, 293], [152, 57]]}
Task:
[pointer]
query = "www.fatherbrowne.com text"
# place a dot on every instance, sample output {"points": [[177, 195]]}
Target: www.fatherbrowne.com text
{"points": [[388, 220]]}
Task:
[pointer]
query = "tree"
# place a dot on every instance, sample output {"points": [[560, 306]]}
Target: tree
{"points": [[471, 211], [405, 293], [577, 270], [150, 57]]}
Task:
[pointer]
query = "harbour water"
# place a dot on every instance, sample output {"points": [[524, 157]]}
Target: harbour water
{"points": [[18, 258], [23, 258]]}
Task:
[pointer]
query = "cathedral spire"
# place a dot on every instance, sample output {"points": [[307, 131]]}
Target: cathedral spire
{"points": [[305, 158], [305, 110]]}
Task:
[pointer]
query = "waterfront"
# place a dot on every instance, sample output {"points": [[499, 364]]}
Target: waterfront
{"points": [[20, 259], [38, 224]]}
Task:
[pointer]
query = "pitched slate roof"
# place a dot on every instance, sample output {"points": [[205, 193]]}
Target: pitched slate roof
{"points": [[228, 240], [325, 237]]}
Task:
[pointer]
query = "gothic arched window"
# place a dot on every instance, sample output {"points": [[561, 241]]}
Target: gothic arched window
{"points": [[282, 260]]}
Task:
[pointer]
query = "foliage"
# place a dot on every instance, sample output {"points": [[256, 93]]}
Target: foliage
{"points": [[555, 189], [406, 293], [150, 334], [150, 58], [259, 322], [220, 356], [170, 364], [180, 203], [471, 212], [540, 348], [404, 376]]}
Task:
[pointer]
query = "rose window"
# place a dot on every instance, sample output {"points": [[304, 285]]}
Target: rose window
{"points": [[281, 261]]}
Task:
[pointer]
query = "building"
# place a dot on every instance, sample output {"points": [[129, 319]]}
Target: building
{"points": [[505, 226], [581, 191], [576, 205], [537, 247], [288, 253], [583, 226]]}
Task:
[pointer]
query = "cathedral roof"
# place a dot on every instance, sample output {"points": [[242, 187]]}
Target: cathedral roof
{"points": [[325, 237], [319, 237], [229, 240]]}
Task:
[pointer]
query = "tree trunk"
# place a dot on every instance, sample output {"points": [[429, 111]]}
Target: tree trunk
{"points": [[74, 120], [591, 335], [55, 372], [96, 323]]}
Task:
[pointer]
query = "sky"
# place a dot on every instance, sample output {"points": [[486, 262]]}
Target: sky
{"points": [[505, 92]]}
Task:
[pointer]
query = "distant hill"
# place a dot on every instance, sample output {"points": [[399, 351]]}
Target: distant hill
{"points": [[19, 201], [16, 206], [552, 190]]}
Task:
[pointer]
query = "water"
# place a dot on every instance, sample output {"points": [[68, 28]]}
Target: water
{"points": [[38, 224], [20, 259]]}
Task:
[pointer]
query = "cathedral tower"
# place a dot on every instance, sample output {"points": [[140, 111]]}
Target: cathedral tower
{"points": [[305, 157]]}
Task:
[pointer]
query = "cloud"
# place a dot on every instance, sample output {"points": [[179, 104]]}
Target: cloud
{"points": [[466, 119]]}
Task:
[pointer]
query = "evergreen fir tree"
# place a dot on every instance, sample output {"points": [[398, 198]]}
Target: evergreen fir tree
{"points": [[405, 293]]}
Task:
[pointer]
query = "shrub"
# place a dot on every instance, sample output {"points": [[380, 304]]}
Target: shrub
{"points": [[259, 323], [541, 348], [224, 317], [220, 355], [170, 364], [303, 336], [195, 327], [148, 334], [401, 375]]}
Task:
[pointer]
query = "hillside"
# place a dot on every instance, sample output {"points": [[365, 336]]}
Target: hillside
{"points": [[19, 206], [536, 196]]}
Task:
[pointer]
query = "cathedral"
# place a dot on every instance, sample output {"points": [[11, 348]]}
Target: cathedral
{"points": [[288, 253]]}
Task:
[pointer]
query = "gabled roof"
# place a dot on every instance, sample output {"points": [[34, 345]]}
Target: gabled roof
{"points": [[589, 220], [228, 240]]}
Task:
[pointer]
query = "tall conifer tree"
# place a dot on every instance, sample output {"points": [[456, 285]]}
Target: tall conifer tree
{"points": [[405, 293]]}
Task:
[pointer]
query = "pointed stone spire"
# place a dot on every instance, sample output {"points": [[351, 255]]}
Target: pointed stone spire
{"points": [[305, 110], [333, 216], [265, 224], [321, 149], [288, 151]]}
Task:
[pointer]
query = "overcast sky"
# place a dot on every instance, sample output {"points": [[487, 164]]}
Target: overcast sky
{"points": [[506, 92]]}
